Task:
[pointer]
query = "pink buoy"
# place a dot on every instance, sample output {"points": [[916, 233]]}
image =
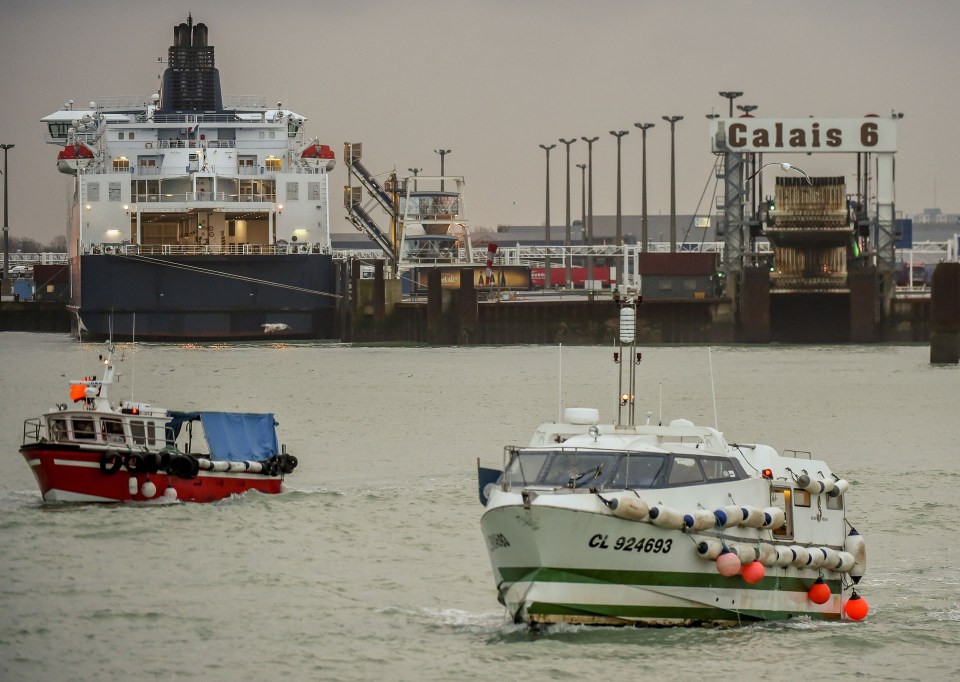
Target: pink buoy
{"points": [[728, 563], [856, 607], [819, 592], [753, 572]]}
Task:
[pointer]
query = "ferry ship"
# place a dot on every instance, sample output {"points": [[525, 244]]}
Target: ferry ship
{"points": [[196, 216]]}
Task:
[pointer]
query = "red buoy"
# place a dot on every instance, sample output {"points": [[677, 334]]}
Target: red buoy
{"points": [[856, 607], [728, 563], [753, 572], [819, 592]]}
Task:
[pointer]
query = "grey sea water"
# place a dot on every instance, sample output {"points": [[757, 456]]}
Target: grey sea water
{"points": [[373, 566]]}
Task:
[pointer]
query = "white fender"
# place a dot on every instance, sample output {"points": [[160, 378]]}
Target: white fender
{"points": [[846, 562], [768, 554], [729, 516], [709, 549], [747, 553], [858, 548], [629, 507], [801, 555], [666, 517], [219, 465], [785, 556], [700, 519], [829, 485], [840, 487], [773, 518], [256, 467], [753, 517], [205, 464], [831, 558], [818, 555]]}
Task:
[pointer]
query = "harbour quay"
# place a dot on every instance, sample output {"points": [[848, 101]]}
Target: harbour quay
{"points": [[377, 312]]}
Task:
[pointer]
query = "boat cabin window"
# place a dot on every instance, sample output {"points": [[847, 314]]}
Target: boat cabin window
{"points": [[835, 502], [690, 470], [638, 471], [83, 428], [525, 467], [683, 471], [58, 430], [576, 468], [113, 430], [138, 432], [572, 469], [720, 468]]}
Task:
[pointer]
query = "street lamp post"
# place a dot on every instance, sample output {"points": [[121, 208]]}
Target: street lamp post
{"points": [[6, 216], [583, 201], [619, 239], [730, 95], [566, 240], [546, 258], [673, 183], [415, 171], [643, 217], [590, 141], [442, 153]]}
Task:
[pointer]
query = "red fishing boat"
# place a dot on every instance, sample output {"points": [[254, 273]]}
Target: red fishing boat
{"points": [[92, 450]]}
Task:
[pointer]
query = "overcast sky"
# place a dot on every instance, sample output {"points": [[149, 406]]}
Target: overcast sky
{"points": [[493, 79]]}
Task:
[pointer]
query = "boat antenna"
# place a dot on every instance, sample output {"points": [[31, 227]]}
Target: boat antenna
{"points": [[627, 342], [713, 391], [133, 344], [560, 384]]}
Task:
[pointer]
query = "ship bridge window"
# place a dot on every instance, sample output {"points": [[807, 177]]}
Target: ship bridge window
{"points": [[58, 130], [121, 164], [272, 163], [430, 205]]}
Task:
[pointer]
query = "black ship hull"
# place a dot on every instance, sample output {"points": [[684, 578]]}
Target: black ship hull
{"points": [[205, 297]]}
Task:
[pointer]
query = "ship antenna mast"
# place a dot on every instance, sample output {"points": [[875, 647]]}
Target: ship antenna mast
{"points": [[627, 358]]}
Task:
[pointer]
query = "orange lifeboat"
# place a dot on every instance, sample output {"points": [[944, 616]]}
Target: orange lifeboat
{"points": [[74, 157], [318, 154]]}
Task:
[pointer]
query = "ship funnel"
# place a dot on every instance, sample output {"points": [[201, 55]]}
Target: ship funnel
{"points": [[200, 35], [181, 36]]}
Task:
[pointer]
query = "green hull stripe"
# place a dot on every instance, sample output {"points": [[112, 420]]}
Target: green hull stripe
{"points": [[705, 614], [512, 574]]}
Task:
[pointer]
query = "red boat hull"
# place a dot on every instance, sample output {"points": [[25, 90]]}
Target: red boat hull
{"points": [[67, 474]]}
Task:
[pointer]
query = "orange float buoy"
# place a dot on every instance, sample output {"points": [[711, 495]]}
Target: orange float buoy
{"points": [[753, 572], [856, 607], [819, 592], [728, 563]]}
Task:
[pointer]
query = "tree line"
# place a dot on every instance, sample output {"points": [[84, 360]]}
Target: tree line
{"points": [[29, 245]]}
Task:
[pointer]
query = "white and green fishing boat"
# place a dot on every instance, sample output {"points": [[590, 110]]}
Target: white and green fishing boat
{"points": [[653, 524]]}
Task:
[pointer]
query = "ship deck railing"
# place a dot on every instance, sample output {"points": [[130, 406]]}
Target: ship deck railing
{"points": [[202, 249]]}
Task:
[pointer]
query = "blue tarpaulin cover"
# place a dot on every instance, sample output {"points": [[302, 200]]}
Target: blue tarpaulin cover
{"points": [[234, 436]]}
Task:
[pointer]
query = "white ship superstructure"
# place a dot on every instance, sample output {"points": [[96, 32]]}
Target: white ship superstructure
{"points": [[188, 172]]}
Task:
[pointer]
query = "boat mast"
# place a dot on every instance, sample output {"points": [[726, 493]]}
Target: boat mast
{"points": [[627, 358]]}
